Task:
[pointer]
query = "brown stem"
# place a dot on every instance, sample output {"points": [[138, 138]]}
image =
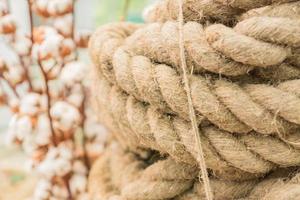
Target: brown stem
{"points": [[44, 74], [30, 22], [26, 73], [70, 196], [30, 48]]}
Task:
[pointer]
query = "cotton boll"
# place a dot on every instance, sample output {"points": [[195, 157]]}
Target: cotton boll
{"points": [[52, 153], [23, 127], [49, 64], [59, 7], [52, 8], [76, 99], [46, 43], [10, 138], [57, 162], [79, 167], [32, 104], [41, 32], [60, 192], [14, 105], [78, 183], [28, 145], [42, 190], [44, 184], [43, 130], [52, 67], [3, 8], [65, 151], [56, 90], [82, 38], [40, 7], [22, 44], [76, 95], [15, 74], [35, 51], [54, 72], [47, 168], [13, 122], [66, 47], [49, 48], [7, 24], [11, 135], [41, 4], [62, 167], [63, 24], [94, 129], [73, 72], [65, 116]]}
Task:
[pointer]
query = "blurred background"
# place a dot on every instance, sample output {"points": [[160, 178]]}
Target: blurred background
{"points": [[89, 15]]}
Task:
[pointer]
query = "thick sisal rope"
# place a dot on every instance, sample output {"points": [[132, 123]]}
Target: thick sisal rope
{"points": [[232, 106], [231, 157], [223, 11], [118, 175], [148, 98], [204, 177], [123, 175]]}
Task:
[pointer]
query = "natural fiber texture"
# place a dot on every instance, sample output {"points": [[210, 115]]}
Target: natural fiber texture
{"points": [[217, 48], [242, 80], [120, 175], [233, 107], [202, 11], [229, 156], [192, 115]]}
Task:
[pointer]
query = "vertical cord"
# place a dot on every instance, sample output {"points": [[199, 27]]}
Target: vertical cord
{"points": [[192, 115]]}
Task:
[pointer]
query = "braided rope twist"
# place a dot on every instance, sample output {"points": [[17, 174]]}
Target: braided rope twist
{"points": [[120, 175], [219, 10], [233, 107], [220, 49], [229, 156], [245, 92]]}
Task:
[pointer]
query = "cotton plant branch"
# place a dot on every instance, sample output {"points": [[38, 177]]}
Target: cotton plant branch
{"points": [[50, 111]]}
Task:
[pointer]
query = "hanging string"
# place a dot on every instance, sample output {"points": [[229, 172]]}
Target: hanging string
{"points": [[192, 115]]}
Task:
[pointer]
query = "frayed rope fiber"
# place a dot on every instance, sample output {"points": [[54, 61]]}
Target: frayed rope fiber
{"points": [[216, 93], [192, 115]]}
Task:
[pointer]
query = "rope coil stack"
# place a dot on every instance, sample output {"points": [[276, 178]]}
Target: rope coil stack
{"points": [[244, 62]]}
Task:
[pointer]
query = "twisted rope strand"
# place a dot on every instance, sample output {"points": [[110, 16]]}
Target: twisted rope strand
{"points": [[173, 136], [122, 175], [249, 120], [160, 85]]}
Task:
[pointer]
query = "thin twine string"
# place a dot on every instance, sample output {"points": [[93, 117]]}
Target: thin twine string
{"points": [[192, 115]]}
